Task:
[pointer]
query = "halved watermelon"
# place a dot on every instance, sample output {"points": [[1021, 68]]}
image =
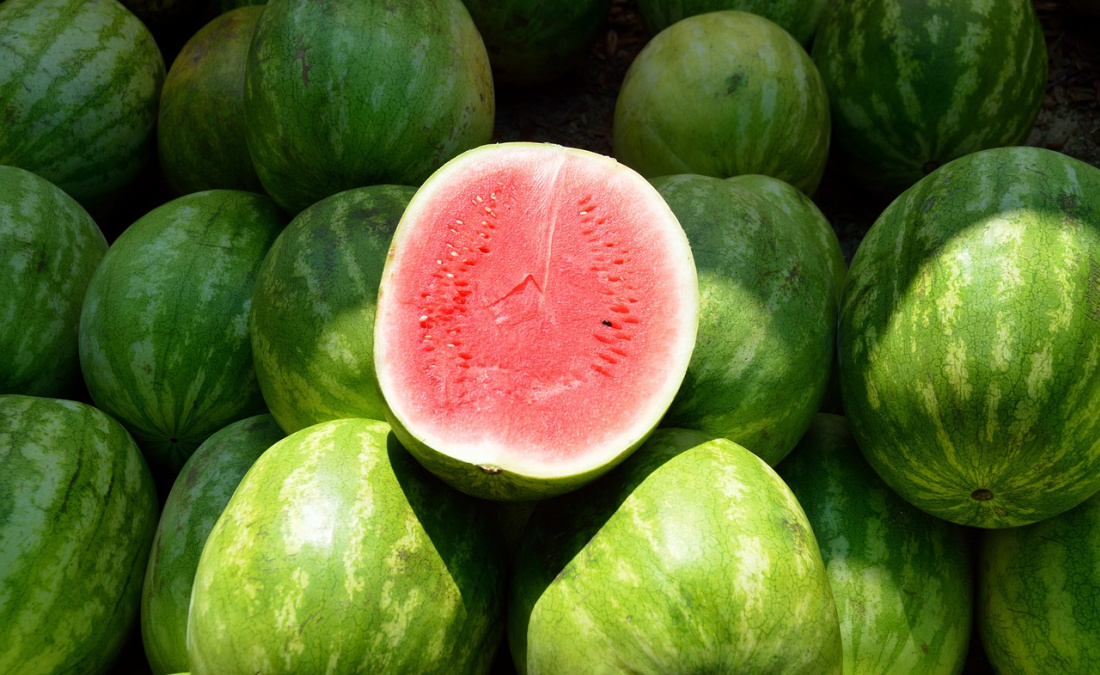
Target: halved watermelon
{"points": [[536, 315]]}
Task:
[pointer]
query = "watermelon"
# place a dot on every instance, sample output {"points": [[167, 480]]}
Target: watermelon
{"points": [[79, 81], [164, 343], [1037, 591], [49, 248], [200, 128], [723, 94], [913, 85], [901, 578], [198, 497], [798, 17], [767, 317], [968, 345], [533, 41], [535, 318], [77, 515], [691, 557], [346, 93], [312, 319], [339, 553]]}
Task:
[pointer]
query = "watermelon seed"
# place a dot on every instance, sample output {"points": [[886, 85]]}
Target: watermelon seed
{"points": [[982, 495], [606, 323]]}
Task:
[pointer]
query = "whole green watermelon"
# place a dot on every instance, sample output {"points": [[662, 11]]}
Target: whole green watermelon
{"points": [[798, 17], [968, 344], [338, 553], [346, 93], [79, 84], [915, 84], [77, 515], [49, 248]]}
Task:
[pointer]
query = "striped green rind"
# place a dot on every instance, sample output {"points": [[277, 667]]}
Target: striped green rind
{"points": [[724, 94], [49, 248], [312, 321], [198, 497], [692, 556], [968, 342], [200, 127], [339, 553], [77, 515], [913, 85], [534, 41], [346, 93], [79, 83], [767, 317], [1039, 594], [901, 578], [798, 17], [164, 342]]}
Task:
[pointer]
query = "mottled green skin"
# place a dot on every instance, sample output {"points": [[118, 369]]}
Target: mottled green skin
{"points": [[312, 321], [346, 93], [79, 83], [914, 84], [164, 343], [77, 515], [724, 94], [798, 17], [200, 128], [338, 553], [49, 248], [1038, 605], [968, 342], [900, 577], [690, 557], [199, 496], [767, 317], [535, 41]]}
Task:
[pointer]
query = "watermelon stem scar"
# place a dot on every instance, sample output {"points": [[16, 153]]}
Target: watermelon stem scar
{"points": [[982, 495]]}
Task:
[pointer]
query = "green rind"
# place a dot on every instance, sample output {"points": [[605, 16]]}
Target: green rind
{"points": [[200, 127], [79, 84], [346, 93], [767, 317], [691, 557], [724, 94], [901, 578], [913, 85], [312, 321], [968, 342], [1039, 594], [77, 514], [339, 553], [49, 248], [798, 17], [198, 497], [164, 342]]}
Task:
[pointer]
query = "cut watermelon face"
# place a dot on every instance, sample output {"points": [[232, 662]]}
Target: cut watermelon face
{"points": [[536, 316]]}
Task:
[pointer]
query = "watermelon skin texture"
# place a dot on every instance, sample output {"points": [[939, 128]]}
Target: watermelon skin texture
{"points": [[346, 93], [798, 17], [198, 497], [312, 318], [901, 578], [692, 556], [1038, 585], [77, 515], [913, 85], [968, 346], [49, 248], [767, 317], [164, 342], [79, 82], [339, 553]]}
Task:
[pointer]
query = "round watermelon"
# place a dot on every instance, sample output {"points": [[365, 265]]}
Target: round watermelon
{"points": [[346, 93], [77, 515], [968, 345], [723, 94], [798, 17]]}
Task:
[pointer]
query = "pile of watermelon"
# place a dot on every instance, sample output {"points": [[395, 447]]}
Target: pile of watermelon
{"points": [[371, 393]]}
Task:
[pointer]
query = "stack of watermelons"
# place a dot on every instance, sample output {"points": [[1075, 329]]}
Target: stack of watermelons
{"points": [[361, 391]]}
